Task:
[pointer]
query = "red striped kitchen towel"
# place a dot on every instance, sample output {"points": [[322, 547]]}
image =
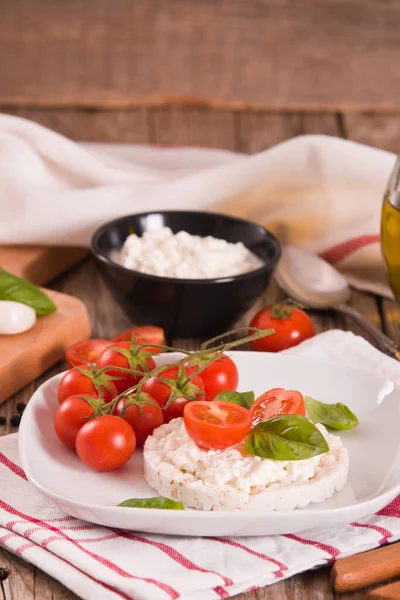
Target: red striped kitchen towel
{"points": [[109, 564]]}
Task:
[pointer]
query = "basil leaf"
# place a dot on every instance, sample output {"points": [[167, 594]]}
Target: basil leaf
{"points": [[287, 437], [335, 416], [244, 399], [157, 502], [249, 396], [18, 290]]}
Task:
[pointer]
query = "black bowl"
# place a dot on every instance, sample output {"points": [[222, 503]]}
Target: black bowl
{"points": [[198, 308]]}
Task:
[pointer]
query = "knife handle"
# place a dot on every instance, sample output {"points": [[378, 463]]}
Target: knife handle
{"points": [[387, 592], [368, 568]]}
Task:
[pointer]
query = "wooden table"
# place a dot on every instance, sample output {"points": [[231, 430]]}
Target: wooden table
{"points": [[240, 130]]}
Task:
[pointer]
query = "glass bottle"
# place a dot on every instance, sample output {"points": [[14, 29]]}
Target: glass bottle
{"points": [[390, 229]]}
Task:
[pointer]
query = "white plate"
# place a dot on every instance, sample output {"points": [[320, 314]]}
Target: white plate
{"points": [[374, 447]]}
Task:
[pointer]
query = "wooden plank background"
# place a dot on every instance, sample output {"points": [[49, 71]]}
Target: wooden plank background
{"points": [[302, 54], [242, 131]]}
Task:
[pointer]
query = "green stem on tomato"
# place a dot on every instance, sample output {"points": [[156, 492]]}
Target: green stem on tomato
{"points": [[219, 350], [258, 333], [122, 369], [166, 348], [138, 387], [213, 357]]}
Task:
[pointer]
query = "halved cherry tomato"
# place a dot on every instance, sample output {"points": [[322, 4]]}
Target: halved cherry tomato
{"points": [[143, 417], [123, 354], [86, 352], [220, 376], [75, 382], [216, 425], [105, 443], [183, 393], [144, 334], [71, 415], [291, 326], [275, 402]]}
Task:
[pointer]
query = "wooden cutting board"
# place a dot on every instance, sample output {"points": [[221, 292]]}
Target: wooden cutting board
{"points": [[39, 264], [25, 356]]}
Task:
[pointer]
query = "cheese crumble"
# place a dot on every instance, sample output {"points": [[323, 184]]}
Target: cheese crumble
{"points": [[186, 256]]}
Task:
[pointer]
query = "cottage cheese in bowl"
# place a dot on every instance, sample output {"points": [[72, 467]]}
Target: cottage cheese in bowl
{"points": [[186, 256]]}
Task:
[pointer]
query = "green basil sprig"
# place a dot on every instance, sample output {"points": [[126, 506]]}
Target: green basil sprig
{"points": [[18, 290], [244, 399], [334, 416], [287, 437], [157, 502]]}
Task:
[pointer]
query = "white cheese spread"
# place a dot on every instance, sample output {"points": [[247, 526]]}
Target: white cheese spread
{"points": [[230, 480], [186, 256]]}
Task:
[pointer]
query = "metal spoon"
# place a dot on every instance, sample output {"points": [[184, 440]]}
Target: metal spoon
{"points": [[316, 284]]}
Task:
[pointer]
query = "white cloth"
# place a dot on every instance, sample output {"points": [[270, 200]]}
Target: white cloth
{"points": [[96, 562], [318, 192]]}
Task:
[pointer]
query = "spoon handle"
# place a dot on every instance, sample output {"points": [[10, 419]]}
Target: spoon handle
{"points": [[383, 342]]}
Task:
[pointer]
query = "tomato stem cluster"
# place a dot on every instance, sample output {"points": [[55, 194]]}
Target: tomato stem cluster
{"points": [[205, 356]]}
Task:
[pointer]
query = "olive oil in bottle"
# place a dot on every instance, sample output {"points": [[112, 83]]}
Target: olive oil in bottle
{"points": [[390, 240]]}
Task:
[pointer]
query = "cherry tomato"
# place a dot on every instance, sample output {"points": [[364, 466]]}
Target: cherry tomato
{"points": [[216, 425], [143, 417], [220, 376], [86, 352], [290, 324], [277, 401], [127, 359], [175, 410], [144, 334], [186, 393], [75, 382], [70, 416], [105, 443]]}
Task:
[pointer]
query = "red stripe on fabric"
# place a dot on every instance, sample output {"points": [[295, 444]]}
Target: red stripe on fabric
{"points": [[8, 537], [386, 534], [221, 592], [12, 466], [53, 538], [24, 547], [28, 532], [392, 509], [107, 587], [341, 251], [11, 524], [61, 519], [334, 552], [282, 567], [104, 538], [100, 559], [172, 553], [87, 527]]}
